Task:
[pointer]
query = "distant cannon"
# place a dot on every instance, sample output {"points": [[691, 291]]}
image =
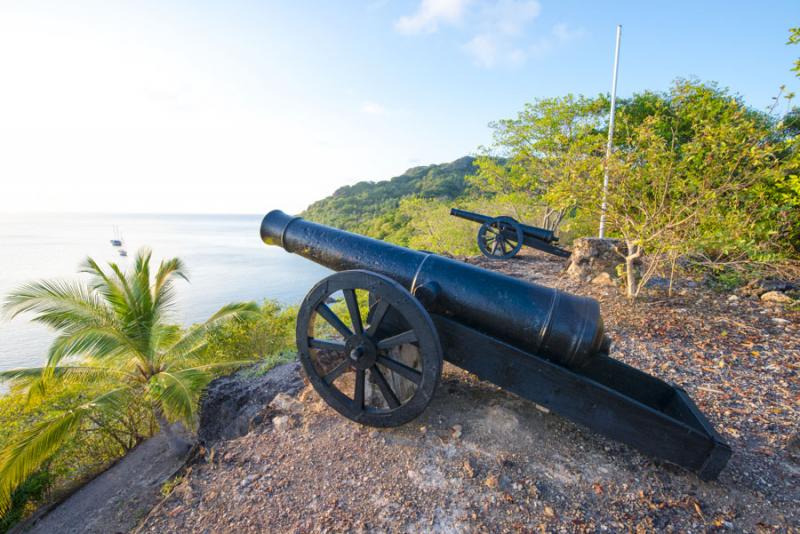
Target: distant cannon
{"points": [[501, 238], [375, 355]]}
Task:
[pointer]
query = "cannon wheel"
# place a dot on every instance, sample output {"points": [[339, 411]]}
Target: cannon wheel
{"points": [[500, 238], [338, 364]]}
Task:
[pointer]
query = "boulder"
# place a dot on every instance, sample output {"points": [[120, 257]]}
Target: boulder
{"points": [[282, 423], [284, 402], [776, 297], [233, 405], [592, 256], [759, 287]]}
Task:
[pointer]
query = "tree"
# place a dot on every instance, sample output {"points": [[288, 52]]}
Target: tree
{"points": [[794, 38], [546, 159], [112, 331], [687, 178]]}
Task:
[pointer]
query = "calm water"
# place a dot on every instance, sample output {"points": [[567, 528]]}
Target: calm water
{"points": [[224, 254]]}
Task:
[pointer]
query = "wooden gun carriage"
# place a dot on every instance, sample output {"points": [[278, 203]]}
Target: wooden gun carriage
{"points": [[501, 238], [375, 355]]}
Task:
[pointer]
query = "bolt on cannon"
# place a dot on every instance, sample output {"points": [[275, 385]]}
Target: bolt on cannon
{"points": [[375, 355]]}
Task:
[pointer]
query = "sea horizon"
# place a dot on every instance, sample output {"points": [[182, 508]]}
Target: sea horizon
{"points": [[225, 258]]}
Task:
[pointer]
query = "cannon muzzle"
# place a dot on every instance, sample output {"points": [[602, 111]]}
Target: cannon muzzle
{"points": [[559, 326]]}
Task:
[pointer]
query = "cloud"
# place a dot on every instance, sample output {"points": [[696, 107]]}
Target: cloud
{"points": [[483, 50], [502, 24], [492, 49], [372, 108], [429, 14], [559, 35], [509, 17], [499, 29]]}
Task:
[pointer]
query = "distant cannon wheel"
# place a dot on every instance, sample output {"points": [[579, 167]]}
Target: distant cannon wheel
{"points": [[500, 238], [369, 373]]}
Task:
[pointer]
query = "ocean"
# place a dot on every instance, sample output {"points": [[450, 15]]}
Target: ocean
{"points": [[224, 255]]}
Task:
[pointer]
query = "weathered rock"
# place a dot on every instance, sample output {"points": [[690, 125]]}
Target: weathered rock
{"points": [[603, 279], [777, 297], [759, 287], [592, 256], [232, 405], [282, 423], [287, 404], [793, 446]]}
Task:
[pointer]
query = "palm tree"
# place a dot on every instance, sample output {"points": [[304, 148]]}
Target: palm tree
{"points": [[112, 331]]}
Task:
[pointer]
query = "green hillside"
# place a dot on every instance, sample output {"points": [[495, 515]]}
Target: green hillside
{"points": [[366, 206]]}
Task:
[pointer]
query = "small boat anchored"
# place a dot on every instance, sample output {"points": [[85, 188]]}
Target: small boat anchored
{"points": [[117, 242]]}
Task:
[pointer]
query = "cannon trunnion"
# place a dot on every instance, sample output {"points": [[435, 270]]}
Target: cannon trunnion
{"points": [[372, 338]]}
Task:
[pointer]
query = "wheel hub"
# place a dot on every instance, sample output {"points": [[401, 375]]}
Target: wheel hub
{"points": [[361, 352]]}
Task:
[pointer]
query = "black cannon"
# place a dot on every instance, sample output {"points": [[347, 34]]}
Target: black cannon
{"points": [[500, 238], [372, 339]]}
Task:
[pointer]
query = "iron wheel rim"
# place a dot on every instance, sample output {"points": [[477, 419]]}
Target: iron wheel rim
{"points": [[373, 359]]}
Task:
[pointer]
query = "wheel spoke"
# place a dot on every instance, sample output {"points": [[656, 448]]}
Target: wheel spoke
{"points": [[325, 344], [380, 312], [352, 307], [494, 248], [333, 320], [401, 369], [337, 372], [386, 391], [405, 337], [358, 394]]}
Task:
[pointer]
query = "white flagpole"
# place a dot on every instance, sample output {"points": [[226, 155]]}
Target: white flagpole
{"points": [[610, 145]]}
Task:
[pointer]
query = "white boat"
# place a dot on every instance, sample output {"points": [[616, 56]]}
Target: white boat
{"points": [[117, 241]]}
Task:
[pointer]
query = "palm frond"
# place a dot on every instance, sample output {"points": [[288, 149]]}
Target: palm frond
{"points": [[195, 337], [177, 392], [96, 342], [235, 311], [33, 447], [102, 283], [139, 282], [79, 373], [59, 304], [127, 309], [163, 289], [190, 342]]}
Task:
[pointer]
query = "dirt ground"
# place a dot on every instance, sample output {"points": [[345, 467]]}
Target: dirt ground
{"points": [[482, 460]]}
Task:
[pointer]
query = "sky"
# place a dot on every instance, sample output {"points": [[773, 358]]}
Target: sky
{"points": [[243, 106]]}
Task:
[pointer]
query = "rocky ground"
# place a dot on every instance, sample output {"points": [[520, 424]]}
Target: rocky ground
{"points": [[482, 460]]}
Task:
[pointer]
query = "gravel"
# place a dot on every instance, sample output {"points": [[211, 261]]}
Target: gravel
{"points": [[482, 460]]}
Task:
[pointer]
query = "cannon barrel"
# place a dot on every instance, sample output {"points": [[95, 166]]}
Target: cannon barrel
{"points": [[564, 328], [548, 236]]}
